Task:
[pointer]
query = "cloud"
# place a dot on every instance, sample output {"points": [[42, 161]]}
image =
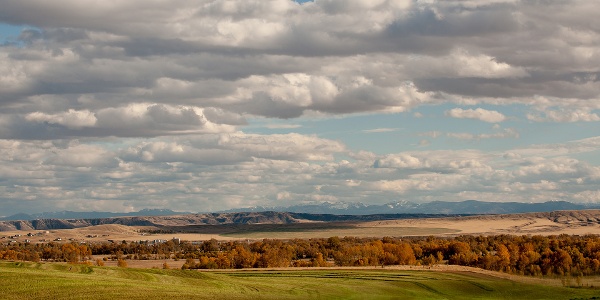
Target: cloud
{"points": [[254, 58], [272, 170], [287, 147], [71, 119], [121, 105], [283, 126], [220, 116], [424, 143], [570, 148], [235, 148], [564, 116], [181, 152], [133, 120], [402, 161], [556, 169], [432, 134], [588, 196], [291, 95], [460, 63], [504, 134], [481, 114], [380, 130], [82, 156], [435, 161]]}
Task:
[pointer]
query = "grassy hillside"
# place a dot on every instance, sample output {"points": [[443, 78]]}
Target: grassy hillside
{"points": [[62, 281]]}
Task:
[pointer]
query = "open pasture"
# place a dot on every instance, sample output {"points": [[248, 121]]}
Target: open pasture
{"points": [[64, 281]]}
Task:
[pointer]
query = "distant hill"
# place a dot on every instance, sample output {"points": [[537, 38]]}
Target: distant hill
{"points": [[90, 215], [469, 207], [184, 220], [249, 220], [436, 207]]}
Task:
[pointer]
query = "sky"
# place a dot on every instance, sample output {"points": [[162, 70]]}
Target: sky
{"points": [[211, 105]]}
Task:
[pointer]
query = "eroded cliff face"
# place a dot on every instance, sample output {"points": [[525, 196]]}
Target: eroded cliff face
{"points": [[180, 220]]}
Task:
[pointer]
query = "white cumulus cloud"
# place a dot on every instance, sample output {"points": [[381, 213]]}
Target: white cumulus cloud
{"points": [[481, 114]]}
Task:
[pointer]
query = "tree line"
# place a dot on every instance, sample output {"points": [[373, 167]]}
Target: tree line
{"points": [[526, 255]]}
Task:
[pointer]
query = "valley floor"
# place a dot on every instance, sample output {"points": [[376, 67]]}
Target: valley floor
{"points": [[563, 222]]}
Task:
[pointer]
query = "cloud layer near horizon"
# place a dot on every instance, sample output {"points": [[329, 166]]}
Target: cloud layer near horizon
{"points": [[133, 104]]}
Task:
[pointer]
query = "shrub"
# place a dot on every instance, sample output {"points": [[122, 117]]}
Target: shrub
{"points": [[121, 263]]}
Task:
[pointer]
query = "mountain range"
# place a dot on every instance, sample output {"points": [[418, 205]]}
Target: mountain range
{"points": [[471, 207]]}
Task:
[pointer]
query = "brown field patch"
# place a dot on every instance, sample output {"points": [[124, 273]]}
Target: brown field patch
{"points": [[555, 223]]}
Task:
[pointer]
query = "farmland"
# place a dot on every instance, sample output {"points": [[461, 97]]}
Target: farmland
{"points": [[560, 266], [73, 281]]}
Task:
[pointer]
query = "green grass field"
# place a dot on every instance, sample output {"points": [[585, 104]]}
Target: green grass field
{"points": [[62, 281]]}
